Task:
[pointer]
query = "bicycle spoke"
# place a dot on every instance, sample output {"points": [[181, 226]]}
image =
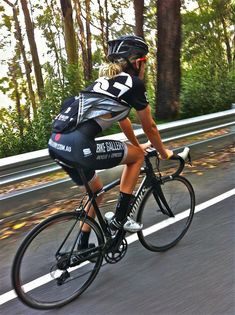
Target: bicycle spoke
{"points": [[42, 277]]}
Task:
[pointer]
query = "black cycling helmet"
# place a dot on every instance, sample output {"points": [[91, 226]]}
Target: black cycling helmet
{"points": [[126, 47]]}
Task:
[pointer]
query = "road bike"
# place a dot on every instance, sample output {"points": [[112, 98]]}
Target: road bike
{"points": [[49, 269]]}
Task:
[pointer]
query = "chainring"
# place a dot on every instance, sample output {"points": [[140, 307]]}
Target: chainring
{"points": [[112, 257]]}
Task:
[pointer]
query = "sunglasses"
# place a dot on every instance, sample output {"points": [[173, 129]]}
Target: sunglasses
{"points": [[144, 59]]}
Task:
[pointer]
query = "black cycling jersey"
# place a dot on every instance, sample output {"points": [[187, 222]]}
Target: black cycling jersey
{"points": [[79, 148], [124, 87]]}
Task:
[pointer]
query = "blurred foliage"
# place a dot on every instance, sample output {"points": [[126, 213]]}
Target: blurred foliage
{"points": [[205, 90], [207, 61], [208, 58]]}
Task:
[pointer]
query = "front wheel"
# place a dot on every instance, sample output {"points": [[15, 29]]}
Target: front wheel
{"points": [[49, 270], [166, 219]]}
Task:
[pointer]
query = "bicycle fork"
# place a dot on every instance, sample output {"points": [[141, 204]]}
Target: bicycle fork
{"points": [[161, 200]]}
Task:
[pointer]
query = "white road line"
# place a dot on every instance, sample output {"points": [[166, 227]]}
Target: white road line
{"points": [[10, 295], [134, 237]]}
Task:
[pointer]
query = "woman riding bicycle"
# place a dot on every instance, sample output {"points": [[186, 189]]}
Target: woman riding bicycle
{"points": [[108, 100]]}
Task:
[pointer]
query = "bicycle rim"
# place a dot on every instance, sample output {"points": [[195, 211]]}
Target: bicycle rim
{"points": [[41, 275], [161, 231]]}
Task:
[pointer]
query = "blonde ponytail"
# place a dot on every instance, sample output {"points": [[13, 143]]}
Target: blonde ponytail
{"points": [[112, 69]]}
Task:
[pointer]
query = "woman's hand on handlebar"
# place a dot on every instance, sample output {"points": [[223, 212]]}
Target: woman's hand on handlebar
{"points": [[167, 154], [145, 146]]}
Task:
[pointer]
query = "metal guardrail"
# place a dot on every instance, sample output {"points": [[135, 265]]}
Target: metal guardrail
{"points": [[27, 166]]}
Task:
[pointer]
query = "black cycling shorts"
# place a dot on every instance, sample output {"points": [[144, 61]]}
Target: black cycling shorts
{"points": [[76, 150]]}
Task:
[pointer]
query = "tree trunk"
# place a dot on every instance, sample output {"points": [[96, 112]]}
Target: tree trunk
{"points": [[13, 73], [33, 49], [139, 17], [56, 50], [227, 42], [85, 38], [70, 38], [233, 43], [27, 66], [106, 27], [168, 58], [104, 22], [82, 39], [88, 39], [19, 39]]}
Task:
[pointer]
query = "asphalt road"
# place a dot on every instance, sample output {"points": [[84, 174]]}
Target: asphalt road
{"points": [[194, 278]]}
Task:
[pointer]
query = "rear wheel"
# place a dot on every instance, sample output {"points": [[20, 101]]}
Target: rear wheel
{"points": [[48, 270], [161, 231]]}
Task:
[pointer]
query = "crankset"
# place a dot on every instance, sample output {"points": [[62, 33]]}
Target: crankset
{"points": [[113, 256]]}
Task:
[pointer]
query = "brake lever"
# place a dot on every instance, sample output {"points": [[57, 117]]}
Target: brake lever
{"points": [[189, 160]]}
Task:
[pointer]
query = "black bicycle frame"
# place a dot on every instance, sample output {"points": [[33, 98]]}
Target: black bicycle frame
{"points": [[92, 199], [149, 180]]}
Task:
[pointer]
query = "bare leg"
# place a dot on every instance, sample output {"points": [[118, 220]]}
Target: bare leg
{"points": [[95, 185], [133, 161]]}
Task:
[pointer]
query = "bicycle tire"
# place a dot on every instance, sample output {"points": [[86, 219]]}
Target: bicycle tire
{"points": [[40, 274], [160, 231]]}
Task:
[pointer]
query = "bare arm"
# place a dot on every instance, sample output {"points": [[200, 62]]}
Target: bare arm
{"points": [[126, 127], [152, 132]]}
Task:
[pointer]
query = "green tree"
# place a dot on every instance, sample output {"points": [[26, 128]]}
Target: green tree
{"points": [[33, 49], [208, 58], [20, 43]]}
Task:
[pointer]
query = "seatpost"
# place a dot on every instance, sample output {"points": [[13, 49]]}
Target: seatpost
{"points": [[85, 182]]}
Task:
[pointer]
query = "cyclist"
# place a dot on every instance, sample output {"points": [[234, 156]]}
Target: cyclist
{"points": [[109, 99]]}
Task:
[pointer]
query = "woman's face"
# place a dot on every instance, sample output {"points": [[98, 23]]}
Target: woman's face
{"points": [[142, 70]]}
